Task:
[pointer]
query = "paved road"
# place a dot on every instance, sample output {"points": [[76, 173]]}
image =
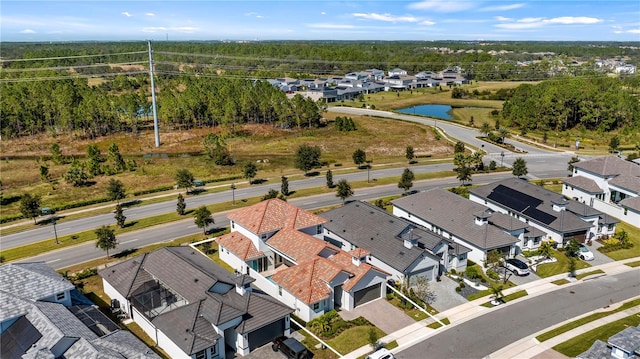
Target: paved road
{"points": [[167, 232], [540, 163], [486, 334]]}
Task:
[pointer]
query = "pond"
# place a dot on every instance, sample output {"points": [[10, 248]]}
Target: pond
{"points": [[438, 111]]}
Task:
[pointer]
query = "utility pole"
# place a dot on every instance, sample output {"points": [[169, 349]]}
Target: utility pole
{"points": [[153, 98]]}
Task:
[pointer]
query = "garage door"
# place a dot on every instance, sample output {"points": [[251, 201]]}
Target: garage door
{"points": [[427, 272], [366, 295], [266, 334]]}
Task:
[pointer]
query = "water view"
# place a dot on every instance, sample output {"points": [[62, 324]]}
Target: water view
{"points": [[438, 111]]}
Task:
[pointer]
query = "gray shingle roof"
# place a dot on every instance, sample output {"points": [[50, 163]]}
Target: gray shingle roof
{"points": [[627, 340], [12, 306], [609, 166], [533, 202], [454, 214], [584, 183], [598, 350], [58, 316], [125, 343], [630, 183], [32, 280], [381, 233], [506, 222], [631, 202], [262, 310], [187, 327]]}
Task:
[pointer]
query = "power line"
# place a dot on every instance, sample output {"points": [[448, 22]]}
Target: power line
{"points": [[29, 69], [71, 57], [75, 76]]}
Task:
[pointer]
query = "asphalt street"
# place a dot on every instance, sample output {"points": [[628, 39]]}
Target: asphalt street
{"points": [[486, 334]]}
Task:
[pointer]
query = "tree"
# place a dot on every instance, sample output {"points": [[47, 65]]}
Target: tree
{"points": [[249, 171], [372, 338], [504, 133], [359, 157], [573, 160], [485, 128], [464, 174], [95, 157], [307, 157], [271, 194], [614, 143], [184, 179], [329, 177], [44, 173], [119, 216], [495, 258], [422, 289], [216, 149], [56, 154], [545, 249], [406, 180], [496, 291], [181, 205], [30, 206], [519, 168], [459, 147], [203, 218], [409, 154], [116, 158], [344, 190], [571, 248], [116, 190], [76, 174], [106, 239], [284, 186], [571, 268]]}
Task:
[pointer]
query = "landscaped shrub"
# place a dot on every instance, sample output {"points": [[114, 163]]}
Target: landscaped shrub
{"points": [[458, 289], [472, 273], [453, 271], [493, 275], [470, 263]]}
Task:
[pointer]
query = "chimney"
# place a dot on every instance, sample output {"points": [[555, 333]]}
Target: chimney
{"points": [[243, 284], [559, 204], [410, 242], [482, 217], [359, 256]]}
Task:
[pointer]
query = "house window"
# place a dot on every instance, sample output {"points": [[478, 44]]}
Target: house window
{"points": [[319, 229], [316, 306], [625, 211], [201, 354], [610, 227], [536, 240], [60, 296], [264, 236], [279, 290], [233, 224]]}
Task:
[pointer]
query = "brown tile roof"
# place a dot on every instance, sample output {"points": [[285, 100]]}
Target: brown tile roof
{"points": [[359, 252], [308, 281], [583, 183], [239, 245], [274, 214], [298, 246], [609, 166]]}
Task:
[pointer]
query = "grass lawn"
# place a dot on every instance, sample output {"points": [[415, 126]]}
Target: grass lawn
{"points": [[583, 342], [583, 275], [634, 237], [508, 298], [488, 282], [582, 321], [561, 266], [633, 264], [352, 339], [560, 281], [414, 313], [436, 325]]}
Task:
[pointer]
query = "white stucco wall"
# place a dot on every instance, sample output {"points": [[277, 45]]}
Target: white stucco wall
{"points": [[233, 261], [114, 294]]}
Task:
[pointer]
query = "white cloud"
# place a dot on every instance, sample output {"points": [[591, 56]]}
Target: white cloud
{"points": [[127, 14], [534, 22], [322, 13], [385, 17], [502, 7], [502, 18], [442, 5], [331, 26], [153, 29], [150, 14], [634, 31], [182, 29], [27, 31], [427, 22]]}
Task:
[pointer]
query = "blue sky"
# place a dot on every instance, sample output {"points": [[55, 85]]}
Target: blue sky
{"points": [[544, 20]]}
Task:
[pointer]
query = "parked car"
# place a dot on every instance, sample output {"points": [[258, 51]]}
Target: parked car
{"points": [[517, 266], [584, 253], [290, 347], [381, 354]]}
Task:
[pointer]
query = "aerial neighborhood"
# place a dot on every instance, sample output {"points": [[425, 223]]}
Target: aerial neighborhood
{"points": [[276, 199]]}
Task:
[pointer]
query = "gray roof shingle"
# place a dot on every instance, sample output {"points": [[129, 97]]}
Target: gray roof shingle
{"points": [[627, 340], [609, 166], [598, 350], [584, 183], [631, 202], [455, 215], [369, 227], [630, 183], [33, 281]]}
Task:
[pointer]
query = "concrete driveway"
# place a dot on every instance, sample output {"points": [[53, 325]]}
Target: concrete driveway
{"points": [[380, 313]]}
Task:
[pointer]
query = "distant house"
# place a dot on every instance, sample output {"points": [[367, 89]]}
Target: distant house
{"points": [[397, 246], [281, 246], [191, 307], [608, 184], [459, 220], [374, 74], [396, 72], [623, 345], [43, 316], [550, 212]]}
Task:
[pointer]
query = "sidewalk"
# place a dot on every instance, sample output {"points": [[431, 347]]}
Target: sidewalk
{"points": [[526, 347]]}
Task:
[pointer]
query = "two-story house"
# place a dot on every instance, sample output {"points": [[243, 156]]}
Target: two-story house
{"points": [[459, 220], [623, 345], [548, 211], [191, 307], [608, 184], [281, 246], [395, 245]]}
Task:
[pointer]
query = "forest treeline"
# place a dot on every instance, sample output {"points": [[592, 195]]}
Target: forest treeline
{"points": [[600, 103]]}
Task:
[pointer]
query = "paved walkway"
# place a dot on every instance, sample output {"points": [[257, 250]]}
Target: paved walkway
{"points": [[526, 347], [382, 314]]}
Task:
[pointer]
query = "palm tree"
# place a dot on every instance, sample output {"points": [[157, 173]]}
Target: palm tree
{"points": [[496, 291], [504, 133], [485, 128]]}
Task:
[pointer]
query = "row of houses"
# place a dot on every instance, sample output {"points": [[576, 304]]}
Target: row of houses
{"points": [[369, 81], [290, 261]]}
